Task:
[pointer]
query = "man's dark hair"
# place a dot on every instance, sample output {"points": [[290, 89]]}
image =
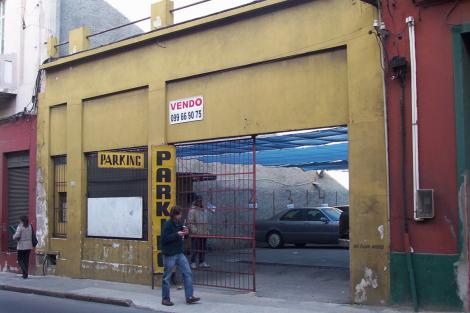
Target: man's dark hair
{"points": [[176, 210]]}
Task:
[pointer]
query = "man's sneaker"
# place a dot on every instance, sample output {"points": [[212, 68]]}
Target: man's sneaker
{"points": [[193, 266], [205, 265], [192, 300], [167, 302]]}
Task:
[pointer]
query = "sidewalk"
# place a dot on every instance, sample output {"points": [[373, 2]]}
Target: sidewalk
{"points": [[213, 300]]}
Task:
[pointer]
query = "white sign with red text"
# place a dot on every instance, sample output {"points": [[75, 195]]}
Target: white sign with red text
{"points": [[186, 110]]}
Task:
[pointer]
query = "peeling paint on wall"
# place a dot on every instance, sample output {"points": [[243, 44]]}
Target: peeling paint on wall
{"points": [[105, 252], [381, 231], [461, 276], [461, 266], [115, 267], [41, 209], [130, 253], [369, 280]]}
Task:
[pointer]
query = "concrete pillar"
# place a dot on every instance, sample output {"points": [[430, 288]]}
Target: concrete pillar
{"points": [[76, 191], [52, 51], [78, 40], [161, 15]]}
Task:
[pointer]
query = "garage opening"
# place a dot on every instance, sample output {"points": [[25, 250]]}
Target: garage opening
{"points": [[302, 192], [264, 213]]}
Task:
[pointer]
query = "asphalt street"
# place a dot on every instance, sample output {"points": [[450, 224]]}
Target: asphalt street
{"points": [[14, 302]]}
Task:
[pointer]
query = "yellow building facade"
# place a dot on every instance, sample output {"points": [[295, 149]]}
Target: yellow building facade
{"points": [[268, 67]]}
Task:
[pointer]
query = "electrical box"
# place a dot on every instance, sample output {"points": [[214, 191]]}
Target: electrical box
{"points": [[425, 204]]}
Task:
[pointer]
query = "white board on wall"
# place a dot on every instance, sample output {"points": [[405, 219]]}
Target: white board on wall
{"points": [[119, 217]]}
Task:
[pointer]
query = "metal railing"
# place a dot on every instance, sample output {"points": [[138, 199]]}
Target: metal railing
{"points": [[147, 18], [60, 223], [189, 5]]}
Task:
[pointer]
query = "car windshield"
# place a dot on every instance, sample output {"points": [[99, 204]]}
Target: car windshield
{"points": [[332, 213]]}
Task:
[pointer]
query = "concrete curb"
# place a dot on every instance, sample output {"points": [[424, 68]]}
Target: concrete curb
{"points": [[68, 295]]}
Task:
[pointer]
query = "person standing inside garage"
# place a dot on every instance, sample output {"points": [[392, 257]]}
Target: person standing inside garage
{"points": [[198, 225], [24, 235]]}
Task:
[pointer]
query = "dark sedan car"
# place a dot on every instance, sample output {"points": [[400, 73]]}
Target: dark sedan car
{"points": [[300, 226]]}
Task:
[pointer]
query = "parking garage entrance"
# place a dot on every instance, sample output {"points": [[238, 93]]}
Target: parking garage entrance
{"points": [[264, 212]]}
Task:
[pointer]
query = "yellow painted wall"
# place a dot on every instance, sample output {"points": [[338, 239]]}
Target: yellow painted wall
{"points": [[121, 260], [115, 121], [58, 130], [272, 66], [267, 97]]}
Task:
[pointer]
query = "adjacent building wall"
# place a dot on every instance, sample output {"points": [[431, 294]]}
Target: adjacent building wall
{"points": [[28, 25], [98, 15], [16, 136], [436, 242]]}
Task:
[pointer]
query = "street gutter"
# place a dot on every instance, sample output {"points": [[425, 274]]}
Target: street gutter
{"points": [[68, 295]]}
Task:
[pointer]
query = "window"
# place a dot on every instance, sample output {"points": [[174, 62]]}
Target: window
{"points": [[314, 215], [2, 26], [332, 213], [293, 215], [117, 201], [60, 197]]}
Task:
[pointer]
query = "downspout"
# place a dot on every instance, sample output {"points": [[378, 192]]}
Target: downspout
{"points": [[399, 66], [414, 113], [406, 234]]}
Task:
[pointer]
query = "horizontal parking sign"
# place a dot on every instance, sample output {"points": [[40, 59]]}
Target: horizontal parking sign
{"points": [[186, 110]]}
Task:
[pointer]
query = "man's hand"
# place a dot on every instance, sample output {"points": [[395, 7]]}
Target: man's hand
{"points": [[184, 232]]}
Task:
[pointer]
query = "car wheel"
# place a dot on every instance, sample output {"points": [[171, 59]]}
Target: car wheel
{"points": [[274, 240], [300, 245]]}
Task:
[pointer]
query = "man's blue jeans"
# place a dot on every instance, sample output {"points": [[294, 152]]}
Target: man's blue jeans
{"points": [[169, 261]]}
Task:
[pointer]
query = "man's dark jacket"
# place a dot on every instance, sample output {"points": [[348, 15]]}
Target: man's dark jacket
{"points": [[172, 243]]}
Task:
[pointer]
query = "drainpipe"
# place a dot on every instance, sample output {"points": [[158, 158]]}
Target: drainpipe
{"points": [[399, 67], [414, 113]]}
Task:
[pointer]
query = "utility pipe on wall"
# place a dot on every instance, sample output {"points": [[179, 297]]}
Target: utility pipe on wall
{"points": [[414, 113]]}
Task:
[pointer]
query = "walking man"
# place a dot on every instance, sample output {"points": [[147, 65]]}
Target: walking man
{"points": [[172, 250]]}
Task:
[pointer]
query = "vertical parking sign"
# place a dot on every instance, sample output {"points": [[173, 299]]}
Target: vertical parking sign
{"points": [[163, 197]]}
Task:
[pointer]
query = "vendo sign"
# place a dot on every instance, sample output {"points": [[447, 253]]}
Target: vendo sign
{"points": [[186, 110]]}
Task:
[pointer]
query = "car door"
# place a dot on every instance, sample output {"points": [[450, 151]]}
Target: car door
{"points": [[318, 228], [290, 225]]}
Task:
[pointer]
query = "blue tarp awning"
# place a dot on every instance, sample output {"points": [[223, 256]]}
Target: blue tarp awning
{"points": [[322, 149]]}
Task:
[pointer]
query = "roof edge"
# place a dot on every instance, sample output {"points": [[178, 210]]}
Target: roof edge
{"points": [[172, 30]]}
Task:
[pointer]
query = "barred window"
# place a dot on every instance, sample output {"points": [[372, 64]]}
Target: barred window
{"points": [[60, 197]]}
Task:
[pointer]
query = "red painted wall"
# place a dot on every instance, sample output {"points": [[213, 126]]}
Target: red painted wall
{"points": [[17, 135], [437, 140]]}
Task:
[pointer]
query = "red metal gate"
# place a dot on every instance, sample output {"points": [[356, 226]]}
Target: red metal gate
{"points": [[223, 174]]}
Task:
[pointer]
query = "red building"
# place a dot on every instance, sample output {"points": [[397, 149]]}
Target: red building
{"points": [[429, 257], [17, 181]]}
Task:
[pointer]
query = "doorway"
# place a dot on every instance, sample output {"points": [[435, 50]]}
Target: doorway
{"points": [[245, 180], [18, 191]]}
